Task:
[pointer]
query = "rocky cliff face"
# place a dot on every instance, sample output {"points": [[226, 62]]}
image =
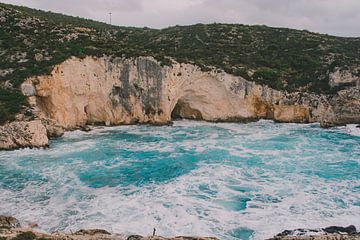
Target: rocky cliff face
{"points": [[125, 91], [113, 91]]}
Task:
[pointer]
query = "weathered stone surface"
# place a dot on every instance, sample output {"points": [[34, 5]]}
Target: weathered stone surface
{"points": [[9, 222], [92, 232], [10, 228], [54, 131], [23, 134], [113, 91], [321, 237], [28, 90], [340, 77], [329, 233], [340, 230]]}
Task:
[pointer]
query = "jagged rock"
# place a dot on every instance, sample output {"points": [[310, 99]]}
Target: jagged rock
{"points": [[23, 134], [92, 232], [135, 237], [340, 230], [329, 233], [54, 131], [85, 128], [9, 222]]}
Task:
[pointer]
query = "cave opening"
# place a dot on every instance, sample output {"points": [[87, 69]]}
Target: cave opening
{"points": [[184, 110]]}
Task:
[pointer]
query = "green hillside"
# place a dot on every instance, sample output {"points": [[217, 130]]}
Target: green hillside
{"points": [[32, 41]]}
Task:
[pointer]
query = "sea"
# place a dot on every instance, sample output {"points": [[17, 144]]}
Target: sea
{"points": [[225, 180]]}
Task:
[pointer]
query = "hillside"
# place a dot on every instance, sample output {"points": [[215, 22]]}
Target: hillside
{"points": [[32, 42]]}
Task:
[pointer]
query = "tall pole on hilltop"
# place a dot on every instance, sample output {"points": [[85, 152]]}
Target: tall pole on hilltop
{"points": [[110, 17]]}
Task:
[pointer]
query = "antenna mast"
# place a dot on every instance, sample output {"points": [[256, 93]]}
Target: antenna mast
{"points": [[110, 17]]}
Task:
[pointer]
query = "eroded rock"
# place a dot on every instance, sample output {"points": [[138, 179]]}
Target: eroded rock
{"points": [[114, 91], [9, 222], [92, 232], [23, 134], [329, 233]]}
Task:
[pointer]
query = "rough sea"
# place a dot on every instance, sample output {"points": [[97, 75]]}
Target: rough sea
{"points": [[231, 181]]}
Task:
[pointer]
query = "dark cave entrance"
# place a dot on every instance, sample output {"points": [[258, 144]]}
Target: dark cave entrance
{"points": [[183, 110]]}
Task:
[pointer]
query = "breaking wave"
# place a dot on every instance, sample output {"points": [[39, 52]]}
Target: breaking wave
{"points": [[232, 181]]}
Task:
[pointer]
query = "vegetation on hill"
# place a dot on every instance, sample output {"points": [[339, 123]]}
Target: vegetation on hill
{"points": [[33, 41]]}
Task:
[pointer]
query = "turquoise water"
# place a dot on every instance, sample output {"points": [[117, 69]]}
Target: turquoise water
{"points": [[233, 181]]}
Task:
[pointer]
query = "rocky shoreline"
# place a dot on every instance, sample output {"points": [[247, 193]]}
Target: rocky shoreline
{"points": [[10, 229], [329, 233], [141, 91]]}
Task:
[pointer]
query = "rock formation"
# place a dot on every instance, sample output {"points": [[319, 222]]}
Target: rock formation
{"points": [[114, 91], [23, 134], [329, 233], [125, 91], [10, 229]]}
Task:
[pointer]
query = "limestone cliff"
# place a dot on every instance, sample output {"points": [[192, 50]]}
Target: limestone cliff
{"points": [[114, 91]]}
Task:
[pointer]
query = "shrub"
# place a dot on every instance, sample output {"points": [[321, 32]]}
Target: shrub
{"points": [[25, 236]]}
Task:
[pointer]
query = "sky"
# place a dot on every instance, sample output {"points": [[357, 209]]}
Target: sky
{"points": [[334, 17]]}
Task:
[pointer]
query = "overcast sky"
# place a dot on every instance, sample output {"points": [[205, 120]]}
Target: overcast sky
{"points": [[336, 17]]}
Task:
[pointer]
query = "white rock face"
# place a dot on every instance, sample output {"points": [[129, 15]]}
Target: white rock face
{"points": [[114, 91], [124, 91]]}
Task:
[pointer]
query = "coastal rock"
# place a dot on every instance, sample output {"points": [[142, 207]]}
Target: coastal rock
{"points": [[92, 232], [9, 222], [329, 233], [341, 230], [85, 128], [54, 131], [23, 134], [10, 229], [114, 91], [138, 237]]}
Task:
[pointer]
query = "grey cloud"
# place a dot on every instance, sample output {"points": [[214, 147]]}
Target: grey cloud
{"points": [[325, 16]]}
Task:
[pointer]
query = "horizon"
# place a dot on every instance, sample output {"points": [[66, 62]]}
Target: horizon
{"points": [[118, 16]]}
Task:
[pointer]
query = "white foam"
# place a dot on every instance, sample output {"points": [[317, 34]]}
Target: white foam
{"points": [[353, 129], [145, 208], [278, 200]]}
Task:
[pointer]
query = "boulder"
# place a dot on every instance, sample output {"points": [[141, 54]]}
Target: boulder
{"points": [[341, 230], [9, 222], [23, 134], [92, 232]]}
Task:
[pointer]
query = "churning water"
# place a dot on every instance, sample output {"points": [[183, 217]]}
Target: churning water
{"points": [[232, 181]]}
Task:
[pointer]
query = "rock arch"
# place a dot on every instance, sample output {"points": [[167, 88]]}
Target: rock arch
{"points": [[127, 91], [203, 98]]}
